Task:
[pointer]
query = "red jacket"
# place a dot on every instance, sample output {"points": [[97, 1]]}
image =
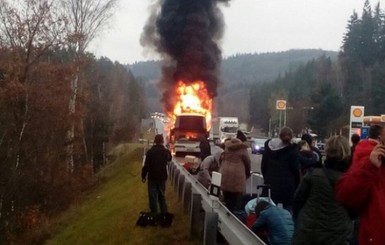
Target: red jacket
{"points": [[362, 189]]}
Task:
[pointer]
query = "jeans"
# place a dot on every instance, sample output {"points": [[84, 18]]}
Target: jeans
{"points": [[156, 193]]}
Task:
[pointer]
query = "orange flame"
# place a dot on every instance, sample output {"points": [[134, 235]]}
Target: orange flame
{"points": [[193, 98]]}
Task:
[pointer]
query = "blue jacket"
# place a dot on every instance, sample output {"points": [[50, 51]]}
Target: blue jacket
{"points": [[278, 223]]}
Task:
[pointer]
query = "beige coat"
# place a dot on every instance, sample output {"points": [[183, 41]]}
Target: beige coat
{"points": [[235, 166]]}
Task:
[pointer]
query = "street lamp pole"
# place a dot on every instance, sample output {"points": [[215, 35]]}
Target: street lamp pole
{"points": [[269, 127]]}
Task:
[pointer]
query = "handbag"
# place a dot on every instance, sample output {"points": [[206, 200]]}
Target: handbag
{"points": [[147, 218]]}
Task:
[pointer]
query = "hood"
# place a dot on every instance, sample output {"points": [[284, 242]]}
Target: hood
{"points": [[339, 165], [235, 145], [363, 149], [276, 144], [217, 155]]}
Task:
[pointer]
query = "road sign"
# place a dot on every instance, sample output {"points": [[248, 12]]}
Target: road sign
{"points": [[280, 105], [356, 119]]}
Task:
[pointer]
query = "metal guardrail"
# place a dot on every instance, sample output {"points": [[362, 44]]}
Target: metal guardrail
{"points": [[231, 228]]}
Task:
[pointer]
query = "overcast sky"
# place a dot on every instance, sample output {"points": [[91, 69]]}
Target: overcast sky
{"points": [[252, 26]]}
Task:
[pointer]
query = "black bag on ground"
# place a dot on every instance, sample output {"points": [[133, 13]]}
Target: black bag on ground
{"points": [[165, 219], [147, 218]]}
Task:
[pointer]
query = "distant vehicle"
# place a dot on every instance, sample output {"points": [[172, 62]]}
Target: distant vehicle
{"points": [[223, 128], [257, 145], [188, 130]]}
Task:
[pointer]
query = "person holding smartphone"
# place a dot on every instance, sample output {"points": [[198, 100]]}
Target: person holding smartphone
{"points": [[362, 190]]}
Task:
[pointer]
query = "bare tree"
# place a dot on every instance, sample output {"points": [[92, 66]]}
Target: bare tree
{"points": [[29, 28], [86, 19]]}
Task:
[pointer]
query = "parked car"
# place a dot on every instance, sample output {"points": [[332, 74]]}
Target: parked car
{"points": [[257, 145]]}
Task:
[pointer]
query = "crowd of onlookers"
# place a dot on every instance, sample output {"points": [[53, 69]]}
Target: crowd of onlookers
{"points": [[336, 200]]}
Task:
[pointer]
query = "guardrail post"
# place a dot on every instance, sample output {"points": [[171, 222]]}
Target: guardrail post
{"points": [[186, 196], [181, 181], [196, 216], [210, 230], [175, 179], [171, 169]]}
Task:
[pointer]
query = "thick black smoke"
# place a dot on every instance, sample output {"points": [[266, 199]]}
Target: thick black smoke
{"points": [[186, 33]]}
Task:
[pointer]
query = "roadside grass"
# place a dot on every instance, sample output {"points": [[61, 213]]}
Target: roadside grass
{"points": [[108, 214]]}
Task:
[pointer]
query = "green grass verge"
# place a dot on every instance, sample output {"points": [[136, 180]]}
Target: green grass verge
{"points": [[108, 215]]}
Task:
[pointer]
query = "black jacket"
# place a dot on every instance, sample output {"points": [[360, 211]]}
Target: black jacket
{"points": [[307, 160], [205, 149], [319, 218], [280, 170], [155, 165]]}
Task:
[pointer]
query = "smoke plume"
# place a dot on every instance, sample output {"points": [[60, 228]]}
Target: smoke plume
{"points": [[186, 33]]}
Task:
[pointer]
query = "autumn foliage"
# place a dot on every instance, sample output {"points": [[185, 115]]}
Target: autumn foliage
{"points": [[39, 62]]}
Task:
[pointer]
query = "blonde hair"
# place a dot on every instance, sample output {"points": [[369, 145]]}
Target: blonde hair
{"points": [[337, 147]]}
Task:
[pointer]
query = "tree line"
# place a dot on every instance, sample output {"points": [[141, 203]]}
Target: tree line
{"points": [[319, 93], [61, 109]]}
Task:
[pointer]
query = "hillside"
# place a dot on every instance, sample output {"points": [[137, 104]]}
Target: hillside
{"points": [[236, 71], [109, 213], [245, 68], [265, 67]]}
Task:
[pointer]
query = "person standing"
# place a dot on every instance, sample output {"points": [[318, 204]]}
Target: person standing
{"points": [[364, 147], [155, 170], [308, 159], [354, 139], [318, 217], [280, 168], [235, 169], [205, 148], [309, 139], [362, 188], [241, 136]]}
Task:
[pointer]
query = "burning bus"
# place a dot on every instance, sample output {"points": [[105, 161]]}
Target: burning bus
{"points": [[191, 117], [188, 130]]}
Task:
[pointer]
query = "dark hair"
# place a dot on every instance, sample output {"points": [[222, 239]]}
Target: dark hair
{"points": [[308, 138], [261, 205], [241, 136], [158, 139], [302, 143], [375, 131], [355, 139]]}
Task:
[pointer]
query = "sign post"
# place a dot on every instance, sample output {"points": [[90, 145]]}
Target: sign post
{"points": [[281, 106], [356, 120]]}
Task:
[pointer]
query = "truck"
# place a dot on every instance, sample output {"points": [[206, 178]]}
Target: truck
{"points": [[188, 131], [152, 126], [222, 128]]}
